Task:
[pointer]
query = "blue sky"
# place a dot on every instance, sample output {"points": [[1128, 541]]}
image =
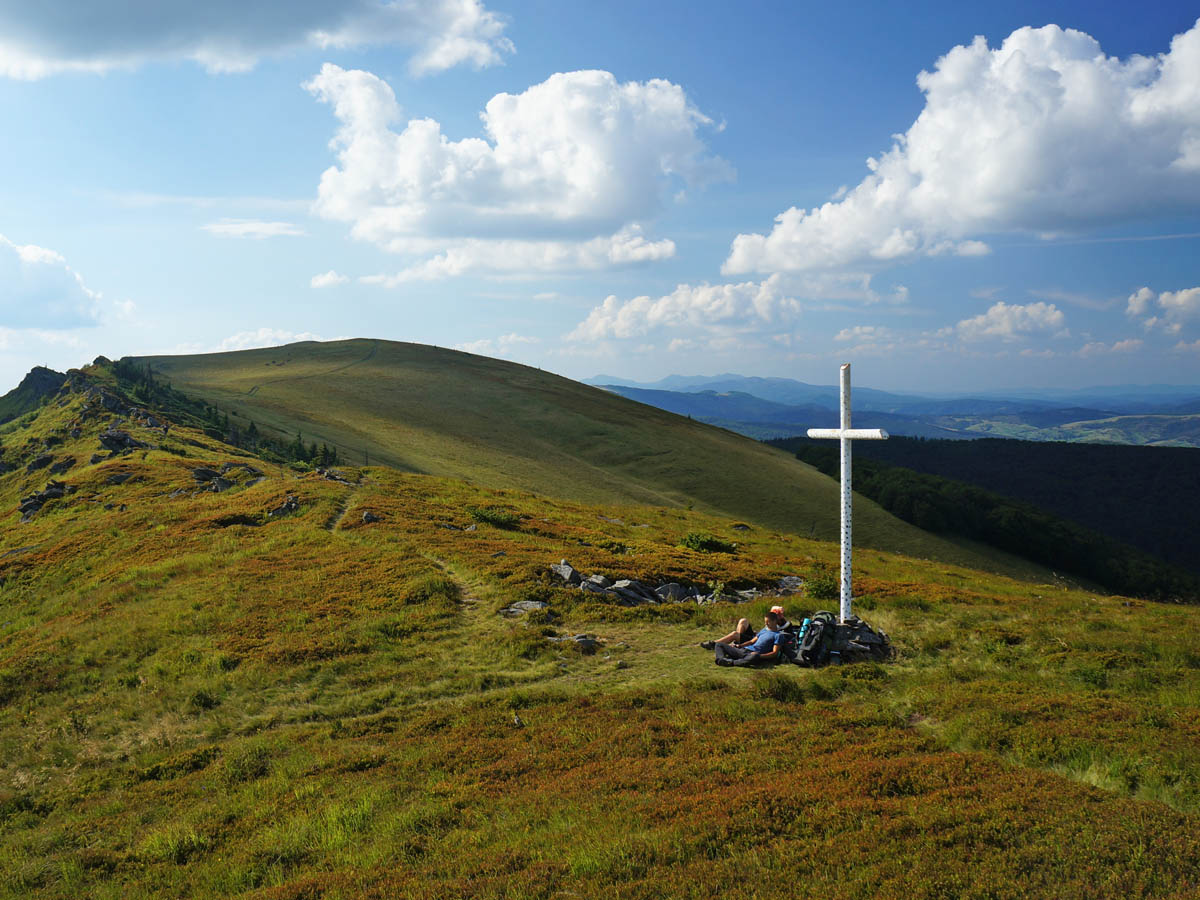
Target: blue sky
{"points": [[628, 188]]}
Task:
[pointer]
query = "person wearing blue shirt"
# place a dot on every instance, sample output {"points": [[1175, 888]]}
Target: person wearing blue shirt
{"points": [[768, 647]]}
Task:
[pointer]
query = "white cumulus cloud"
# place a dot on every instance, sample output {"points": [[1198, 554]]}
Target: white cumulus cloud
{"points": [[568, 172], [1010, 321], [266, 337], [328, 279], [52, 36], [252, 228], [504, 345], [1172, 309], [707, 307], [39, 290], [1042, 134], [1099, 348]]}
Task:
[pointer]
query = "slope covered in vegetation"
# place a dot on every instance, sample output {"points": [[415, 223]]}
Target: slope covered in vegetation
{"points": [[498, 424], [201, 698]]}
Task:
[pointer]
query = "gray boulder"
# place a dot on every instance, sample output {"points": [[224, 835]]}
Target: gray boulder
{"points": [[62, 465], [290, 505], [523, 607], [599, 581], [39, 462], [115, 441], [790, 584], [674, 592], [564, 570], [368, 517]]}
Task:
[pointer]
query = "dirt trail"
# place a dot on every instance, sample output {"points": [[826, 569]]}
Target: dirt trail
{"points": [[335, 518]]}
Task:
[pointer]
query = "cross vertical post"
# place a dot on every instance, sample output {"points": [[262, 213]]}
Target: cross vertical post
{"points": [[845, 434]]}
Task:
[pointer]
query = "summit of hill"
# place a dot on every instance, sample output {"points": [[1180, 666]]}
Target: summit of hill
{"points": [[500, 424]]}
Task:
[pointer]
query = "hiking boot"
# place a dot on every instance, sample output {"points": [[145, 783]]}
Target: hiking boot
{"points": [[708, 645]]}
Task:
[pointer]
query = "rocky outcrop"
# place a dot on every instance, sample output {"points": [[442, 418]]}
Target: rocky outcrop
{"points": [[32, 504], [628, 592], [521, 607], [62, 465], [39, 462], [289, 505], [116, 441]]}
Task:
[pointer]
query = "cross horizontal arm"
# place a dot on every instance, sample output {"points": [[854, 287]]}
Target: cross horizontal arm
{"points": [[869, 434]]}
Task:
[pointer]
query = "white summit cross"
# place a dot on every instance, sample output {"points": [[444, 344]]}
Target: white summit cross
{"points": [[846, 434]]}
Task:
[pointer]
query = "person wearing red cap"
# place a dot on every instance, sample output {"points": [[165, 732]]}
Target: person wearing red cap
{"points": [[744, 632], [769, 646]]}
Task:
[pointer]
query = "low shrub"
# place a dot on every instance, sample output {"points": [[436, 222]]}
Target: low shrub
{"points": [[822, 583], [495, 516], [703, 542]]}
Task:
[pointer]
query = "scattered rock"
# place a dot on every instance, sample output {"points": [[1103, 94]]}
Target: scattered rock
{"points": [[119, 477], [253, 481], [674, 592], [587, 644], [116, 441], [53, 440], [470, 527], [177, 493], [368, 517], [610, 519], [564, 571], [96, 457], [204, 474], [790, 584], [599, 581], [333, 475], [521, 607], [751, 594], [76, 432], [32, 504], [448, 526], [290, 505], [498, 554], [39, 462], [62, 465], [219, 484], [740, 526]]}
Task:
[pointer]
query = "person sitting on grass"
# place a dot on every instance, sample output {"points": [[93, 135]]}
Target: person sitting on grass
{"points": [[744, 633], [769, 646]]}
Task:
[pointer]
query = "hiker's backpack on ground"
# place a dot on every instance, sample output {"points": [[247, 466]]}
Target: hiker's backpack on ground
{"points": [[825, 640], [817, 640]]}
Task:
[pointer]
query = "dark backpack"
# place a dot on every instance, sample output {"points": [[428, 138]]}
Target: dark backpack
{"points": [[817, 640]]}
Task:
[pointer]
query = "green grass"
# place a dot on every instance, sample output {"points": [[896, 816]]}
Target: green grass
{"points": [[195, 709], [502, 425]]}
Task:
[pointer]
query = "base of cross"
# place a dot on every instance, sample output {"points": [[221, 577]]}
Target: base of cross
{"points": [[823, 640]]}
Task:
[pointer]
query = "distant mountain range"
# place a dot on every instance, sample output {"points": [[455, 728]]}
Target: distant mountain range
{"points": [[1166, 415]]}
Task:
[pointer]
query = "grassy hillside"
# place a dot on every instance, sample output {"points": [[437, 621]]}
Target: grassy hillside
{"points": [[198, 699], [498, 424]]}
